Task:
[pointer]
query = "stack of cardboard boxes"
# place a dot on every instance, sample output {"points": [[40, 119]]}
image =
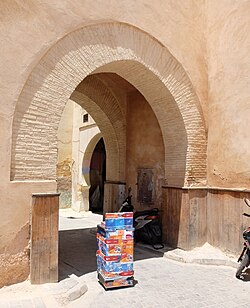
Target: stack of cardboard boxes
{"points": [[115, 250]]}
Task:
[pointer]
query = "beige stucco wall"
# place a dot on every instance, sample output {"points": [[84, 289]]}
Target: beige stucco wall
{"points": [[145, 149], [210, 39], [64, 156], [228, 48], [65, 131], [74, 138], [14, 229], [83, 135], [29, 29]]}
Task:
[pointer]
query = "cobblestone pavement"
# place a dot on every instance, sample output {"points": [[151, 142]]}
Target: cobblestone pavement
{"points": [[165, 283]]}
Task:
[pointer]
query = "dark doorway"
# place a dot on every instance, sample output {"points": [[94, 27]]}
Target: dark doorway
{"points": [[97, 176]]}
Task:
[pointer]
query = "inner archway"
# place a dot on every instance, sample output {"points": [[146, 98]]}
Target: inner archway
{"points": [[97, 175]]}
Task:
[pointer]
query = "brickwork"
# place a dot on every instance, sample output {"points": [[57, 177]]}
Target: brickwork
{"points": [[142, 61]]}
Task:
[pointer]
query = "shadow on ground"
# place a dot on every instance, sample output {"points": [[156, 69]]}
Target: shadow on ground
{"points": [[77, 252]]}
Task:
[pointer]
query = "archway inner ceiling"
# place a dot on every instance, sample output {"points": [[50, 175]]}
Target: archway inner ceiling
{"points": [[106, 90], [137, 131]]}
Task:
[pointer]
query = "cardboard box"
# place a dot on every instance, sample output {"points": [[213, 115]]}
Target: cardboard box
{"points": [[115, 250], [116, 264], [116, 282], [114, 246], [109, 247], [118, 221], [124, 234]]}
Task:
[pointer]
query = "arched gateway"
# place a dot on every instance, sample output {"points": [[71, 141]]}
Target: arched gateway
{"points": [[81, 67], [137, 57]]}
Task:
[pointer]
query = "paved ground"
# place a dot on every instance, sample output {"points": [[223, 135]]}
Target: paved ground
{"points": [[164, 283], [161, 282]]}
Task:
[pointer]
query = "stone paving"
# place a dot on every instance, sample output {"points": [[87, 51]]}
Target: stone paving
{"points": [[165, 283], [161, 281], [24, 303]]}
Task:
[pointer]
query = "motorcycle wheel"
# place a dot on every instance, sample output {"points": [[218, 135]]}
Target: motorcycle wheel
{"points": [[244, 263]]}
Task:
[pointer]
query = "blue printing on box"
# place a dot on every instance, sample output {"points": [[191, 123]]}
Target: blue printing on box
{"points": [[114, 223], [105, 232], [128, 222], [113, 266], [118, 223]]}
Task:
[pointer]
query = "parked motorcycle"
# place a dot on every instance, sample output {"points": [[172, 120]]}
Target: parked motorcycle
{"points": [[148, 228], [146, 223], [244, 258]]}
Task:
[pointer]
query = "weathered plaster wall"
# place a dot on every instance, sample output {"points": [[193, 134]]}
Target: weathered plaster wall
{"points": [[228, 48], [64, 133], [89, 135], [65, 162], [83, 133], [145, 148], [14, 262], [74, 137], [14, 229]]}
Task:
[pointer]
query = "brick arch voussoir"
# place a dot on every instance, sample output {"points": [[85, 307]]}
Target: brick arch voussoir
{"points": [[95, 90], [98, 92], [115, 170], [65, 65], [181, 142]]}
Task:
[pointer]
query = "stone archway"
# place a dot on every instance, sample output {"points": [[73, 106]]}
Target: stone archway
{"points": [[97, 176], [98, 100], [80, 178], [86, 158], [137, 57]]}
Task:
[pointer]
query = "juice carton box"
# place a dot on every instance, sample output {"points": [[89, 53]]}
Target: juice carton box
{"points": [[115, 246], [115, 234], [119, 215], [112, 275], [119, 220], [108, 264], [114, 223], [116, 282], [109, 247]]}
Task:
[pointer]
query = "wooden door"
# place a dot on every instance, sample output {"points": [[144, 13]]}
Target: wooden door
{"points": [[44, 238]]}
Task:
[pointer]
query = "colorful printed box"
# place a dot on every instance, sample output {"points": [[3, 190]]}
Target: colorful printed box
{"points": [[115, 234], [118, 221], [109, 247], [118, 263], [116, 282], [114, 246], [115, 250]]}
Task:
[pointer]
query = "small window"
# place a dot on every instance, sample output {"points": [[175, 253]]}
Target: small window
{"points": [[85, 118]]}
